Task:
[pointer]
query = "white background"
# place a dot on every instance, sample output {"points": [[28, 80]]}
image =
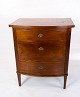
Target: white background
{"points": [[10, 10]]}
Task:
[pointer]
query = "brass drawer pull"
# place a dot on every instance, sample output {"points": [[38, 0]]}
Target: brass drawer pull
{"points": [[40, 35], [40, 48], [40, 67]]}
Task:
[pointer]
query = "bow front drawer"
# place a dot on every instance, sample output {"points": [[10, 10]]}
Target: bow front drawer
{"points": [[30, 35], [42, 68], [51, 50]]}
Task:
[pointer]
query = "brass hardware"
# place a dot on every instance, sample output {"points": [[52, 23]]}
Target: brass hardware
{"points": [[40, 48], [40, 35], [40, 67]]}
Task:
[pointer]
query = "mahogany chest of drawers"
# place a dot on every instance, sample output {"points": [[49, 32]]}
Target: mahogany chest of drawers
{"points": [[42, 46]]}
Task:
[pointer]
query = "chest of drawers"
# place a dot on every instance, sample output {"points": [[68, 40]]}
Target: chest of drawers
{"points": [[42, 46]]}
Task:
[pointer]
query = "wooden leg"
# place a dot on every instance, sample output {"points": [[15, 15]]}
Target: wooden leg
{"points": [[65, 79], [19, 78]]}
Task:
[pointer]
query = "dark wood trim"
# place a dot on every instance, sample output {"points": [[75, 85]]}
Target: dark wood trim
{"points": [[42, 75], [16, 56], [68, 37], [65, 79], [19, 78]]}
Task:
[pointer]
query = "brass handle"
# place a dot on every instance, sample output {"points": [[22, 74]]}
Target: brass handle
{"points": [[40, 35], [40, 67], [40, 48]]}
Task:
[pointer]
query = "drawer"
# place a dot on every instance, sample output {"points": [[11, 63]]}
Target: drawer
{"points": [[41, 68], [31, 35], [51, 50]]}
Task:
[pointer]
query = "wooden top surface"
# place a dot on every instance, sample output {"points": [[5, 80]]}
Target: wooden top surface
{"points": [[23, 22]]}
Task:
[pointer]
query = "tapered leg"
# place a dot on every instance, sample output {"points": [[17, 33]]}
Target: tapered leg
{"points": [[19, 78], [65, 79]]}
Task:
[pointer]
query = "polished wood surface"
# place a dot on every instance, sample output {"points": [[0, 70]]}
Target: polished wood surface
{"points": [[47, 33], [42, 46], [58, 22], [42, 68], [51, 50]]}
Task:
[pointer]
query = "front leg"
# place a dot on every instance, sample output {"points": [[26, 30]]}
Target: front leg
{"points": [[19, 78]]}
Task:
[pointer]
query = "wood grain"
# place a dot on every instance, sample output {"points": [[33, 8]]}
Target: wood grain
{"points": [[52, 50], [57, 22], [42, 46], [42, 68], [32, 34]]}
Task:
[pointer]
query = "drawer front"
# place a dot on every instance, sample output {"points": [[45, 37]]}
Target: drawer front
{"points": [[31, 35], [41, 69], [51, 50]]}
